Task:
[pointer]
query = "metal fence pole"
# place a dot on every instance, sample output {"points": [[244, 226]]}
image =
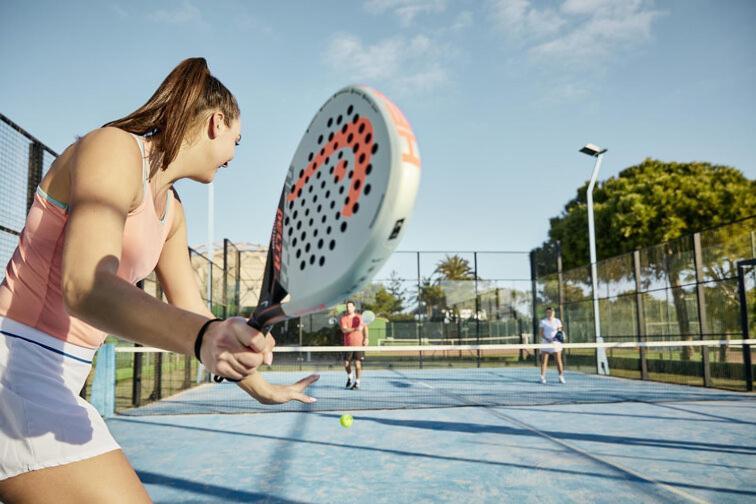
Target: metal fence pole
{"points": [[225, 278], [640, 316], [747, 365], [534, 294], [701, 307], [477, 305], [560, 280], [560, 293], [157, 383], [136, 383], [210, 283], [34, 176], [418, 322], [237, 282], [187, 372]]}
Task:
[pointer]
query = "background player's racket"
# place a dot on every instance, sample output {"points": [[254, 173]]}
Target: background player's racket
{"points": [[347, 198], [368, 317]]}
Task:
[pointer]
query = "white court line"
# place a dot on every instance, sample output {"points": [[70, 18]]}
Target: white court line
{"points": [[613, 465]]}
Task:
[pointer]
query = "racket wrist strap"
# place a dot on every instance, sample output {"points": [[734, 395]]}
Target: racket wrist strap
{"points": [[201, 335]]}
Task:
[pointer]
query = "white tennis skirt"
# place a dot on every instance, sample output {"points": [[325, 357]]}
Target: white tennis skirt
{"points": [[551, 350], [43, 421]]}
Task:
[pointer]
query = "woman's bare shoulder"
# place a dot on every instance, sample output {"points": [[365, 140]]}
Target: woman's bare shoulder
{"points": [[109, 158]]}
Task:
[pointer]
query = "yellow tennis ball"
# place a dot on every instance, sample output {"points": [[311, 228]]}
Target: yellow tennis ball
{"points": [[346, 421]]}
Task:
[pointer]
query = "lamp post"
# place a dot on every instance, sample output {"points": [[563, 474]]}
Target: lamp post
{"points": [[602, 364]]}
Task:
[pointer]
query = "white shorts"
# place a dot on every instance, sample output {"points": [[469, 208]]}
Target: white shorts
{"points": [[556, 348], [43, 421]]}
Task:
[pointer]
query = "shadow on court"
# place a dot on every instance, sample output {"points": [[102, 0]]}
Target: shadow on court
{"points": [[448, 454]]}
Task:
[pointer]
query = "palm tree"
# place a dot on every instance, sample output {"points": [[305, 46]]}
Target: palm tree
{"points": [[455, 268]]}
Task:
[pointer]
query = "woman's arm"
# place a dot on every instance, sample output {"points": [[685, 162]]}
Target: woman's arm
{"points": [[105, 181], [178, 281], [174, 268]]}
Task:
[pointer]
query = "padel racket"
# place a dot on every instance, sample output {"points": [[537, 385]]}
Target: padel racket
{"points": [[346, 201], [368, 317], [345, 204]]}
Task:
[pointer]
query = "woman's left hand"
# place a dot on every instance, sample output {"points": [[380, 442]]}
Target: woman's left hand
{"points": [[268, 393]]}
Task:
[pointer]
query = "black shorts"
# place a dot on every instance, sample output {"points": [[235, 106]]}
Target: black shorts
{"points": [[353, 356]]}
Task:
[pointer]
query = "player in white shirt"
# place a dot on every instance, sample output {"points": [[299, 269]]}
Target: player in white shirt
{"points": [[549, 327]]}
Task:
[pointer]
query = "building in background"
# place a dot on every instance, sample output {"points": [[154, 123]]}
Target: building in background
{"points": [[252, 258]]}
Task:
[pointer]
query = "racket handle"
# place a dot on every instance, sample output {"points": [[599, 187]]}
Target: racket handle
{"points": [[219, 379], [254, 324]]}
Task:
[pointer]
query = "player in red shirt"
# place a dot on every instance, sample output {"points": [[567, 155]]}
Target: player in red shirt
{"points": [[355, 334]]}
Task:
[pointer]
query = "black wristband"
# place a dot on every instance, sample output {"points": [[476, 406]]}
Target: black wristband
{"points": [[200, 335]]}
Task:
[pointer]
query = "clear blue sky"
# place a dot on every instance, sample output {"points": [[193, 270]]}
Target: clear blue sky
{"points": [[501, 94]]}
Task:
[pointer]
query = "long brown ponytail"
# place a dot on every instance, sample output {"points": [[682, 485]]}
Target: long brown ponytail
{"points": [[175, 108]]}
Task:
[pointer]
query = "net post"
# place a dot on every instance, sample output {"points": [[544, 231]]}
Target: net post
{"points": [[701, 307], [640, 316], [104, 382], [534, 302], [747, 364]]}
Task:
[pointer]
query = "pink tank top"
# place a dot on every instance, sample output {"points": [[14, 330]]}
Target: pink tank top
{"points": [[31, 291]]}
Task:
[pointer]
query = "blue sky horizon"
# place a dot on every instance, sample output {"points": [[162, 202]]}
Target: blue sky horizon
{"points": [[501, 93]]}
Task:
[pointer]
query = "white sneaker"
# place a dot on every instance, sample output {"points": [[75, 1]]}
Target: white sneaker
{"points": [[543, 380], [561, 379]]}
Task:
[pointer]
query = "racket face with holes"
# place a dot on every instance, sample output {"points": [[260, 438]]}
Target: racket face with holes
{"points": [[347, 199]]}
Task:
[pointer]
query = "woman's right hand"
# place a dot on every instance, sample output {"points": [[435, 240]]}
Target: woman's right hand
{"points": [[233, 349]]}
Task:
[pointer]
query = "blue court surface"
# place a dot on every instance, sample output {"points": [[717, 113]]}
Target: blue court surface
{"points": [[494, 435]]}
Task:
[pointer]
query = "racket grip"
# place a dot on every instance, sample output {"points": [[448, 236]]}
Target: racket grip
{"points": [[220, 379], [254, 323]]}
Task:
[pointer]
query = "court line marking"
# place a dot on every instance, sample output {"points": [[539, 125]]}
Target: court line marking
{"points": [[595, 458]]}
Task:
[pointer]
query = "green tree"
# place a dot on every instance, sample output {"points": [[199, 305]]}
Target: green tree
{"points": [[432, 298], [651, 203], [454, 268], [396, 289], [384, 303]]}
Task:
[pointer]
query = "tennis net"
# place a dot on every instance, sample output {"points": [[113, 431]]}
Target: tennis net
{"points": [[148, 381]]}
